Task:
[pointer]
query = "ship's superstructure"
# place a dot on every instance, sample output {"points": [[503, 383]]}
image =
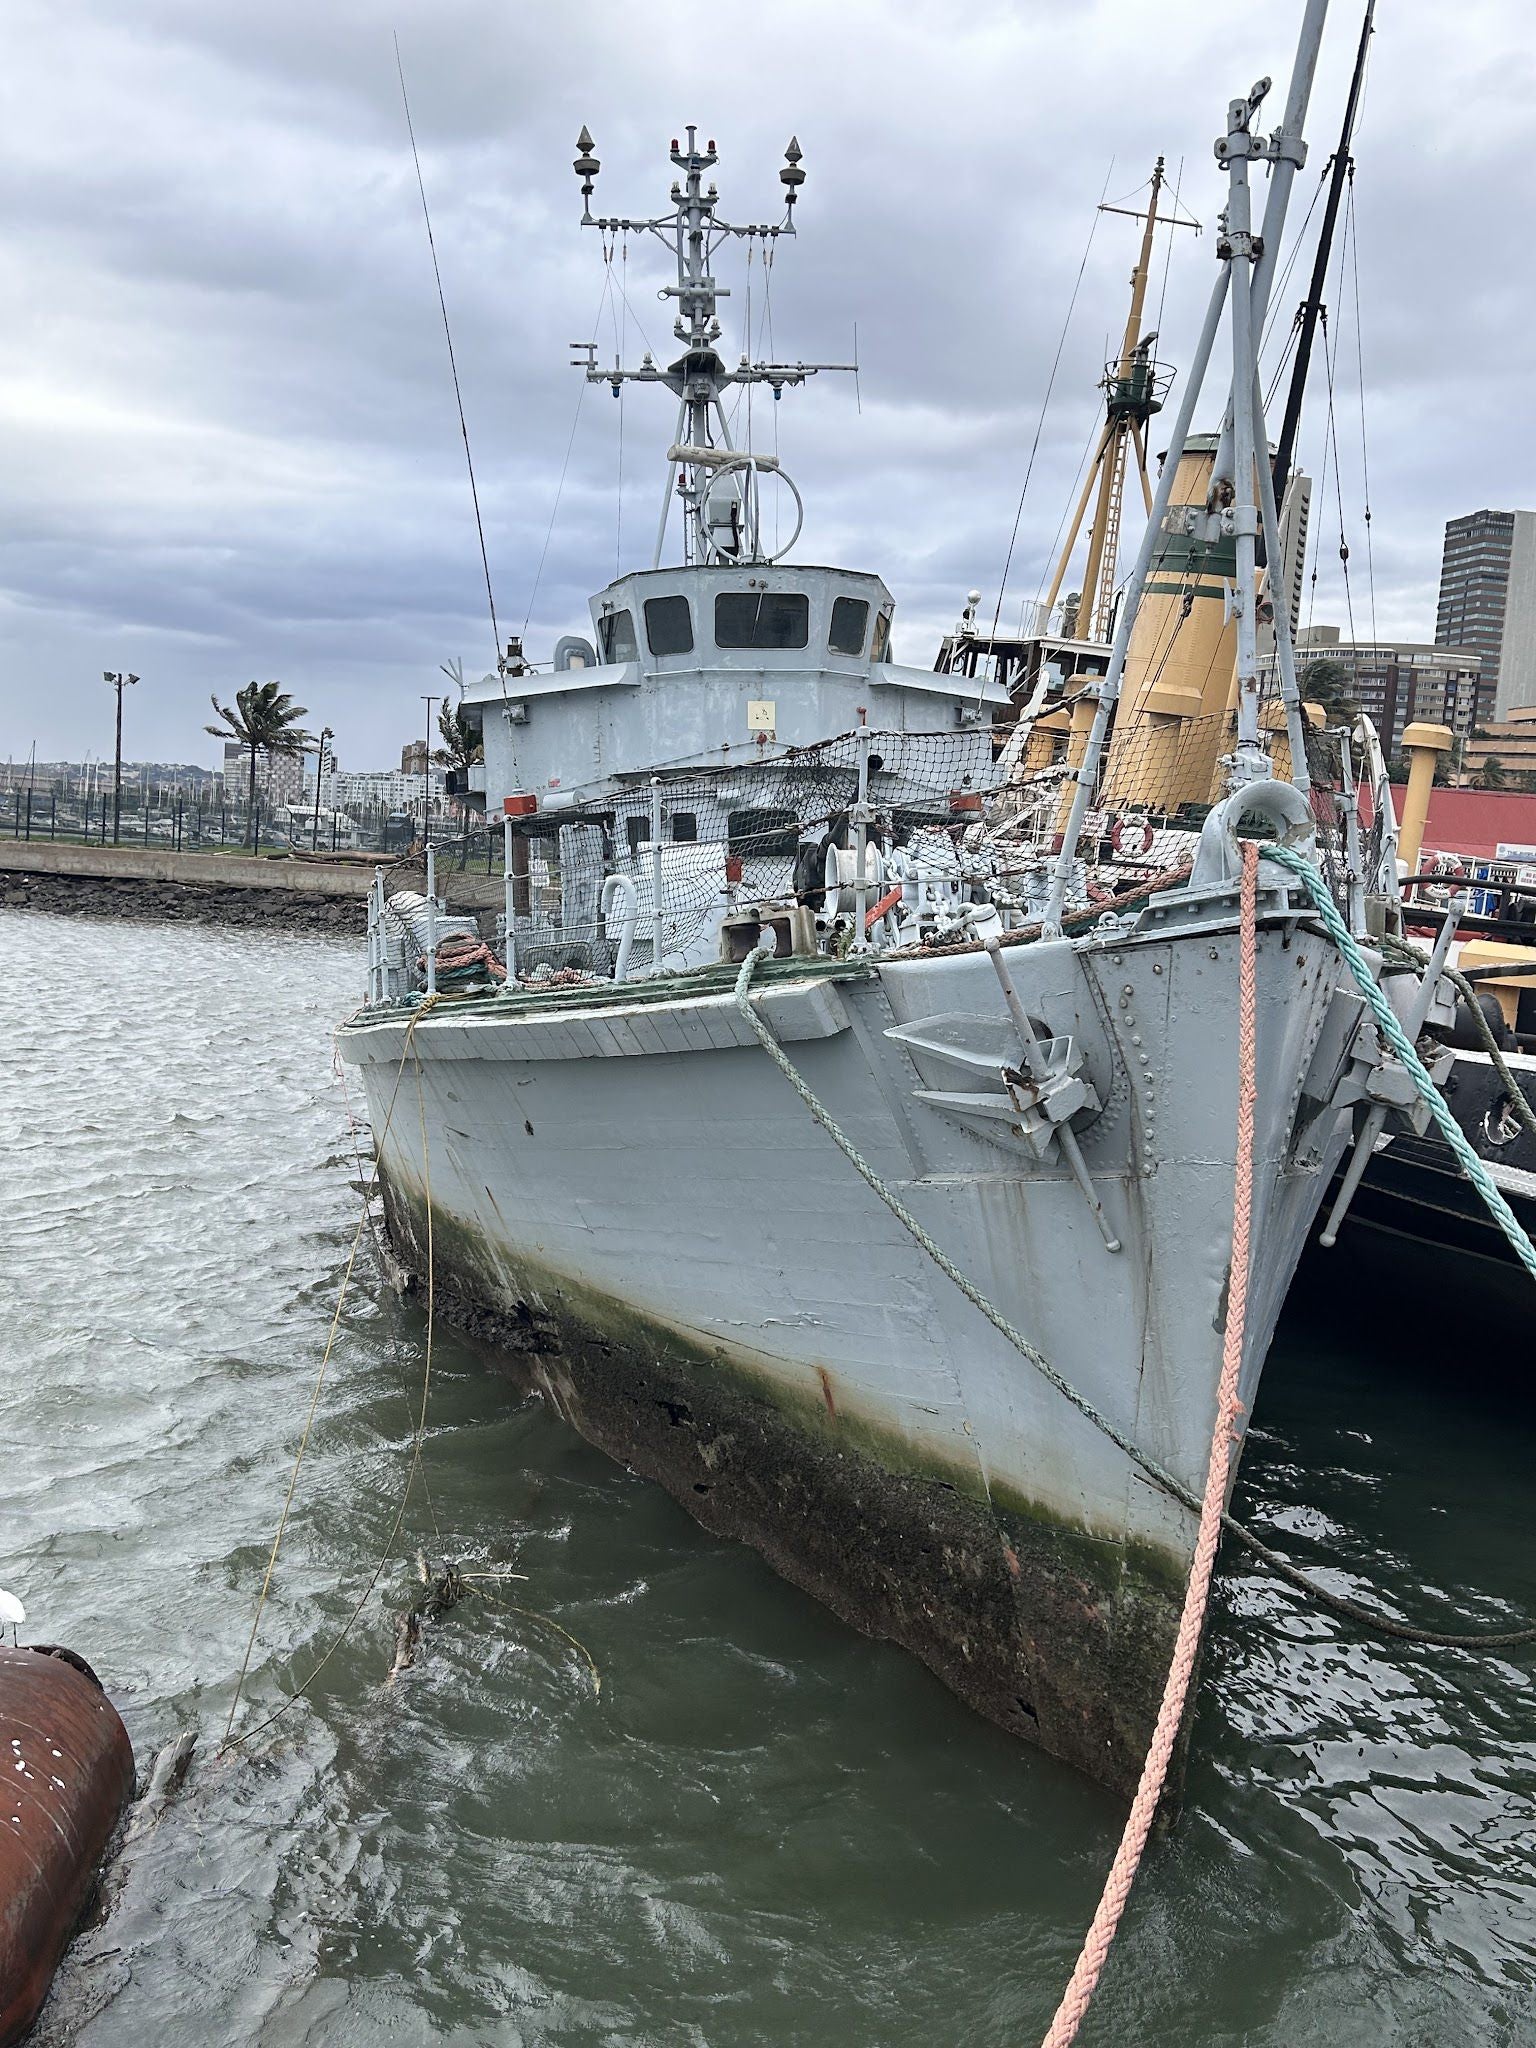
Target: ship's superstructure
{"points": [[732, 813]]}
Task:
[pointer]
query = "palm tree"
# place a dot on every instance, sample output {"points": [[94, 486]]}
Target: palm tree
{"points": [[460, 746], [264, 719], [1493, 776], [1330, 684]]}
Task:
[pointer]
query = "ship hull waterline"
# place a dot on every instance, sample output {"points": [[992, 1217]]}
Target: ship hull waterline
{"points": [[633, 1207]]}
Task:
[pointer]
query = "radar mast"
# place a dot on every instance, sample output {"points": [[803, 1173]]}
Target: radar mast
{"points": [[717, 482]]}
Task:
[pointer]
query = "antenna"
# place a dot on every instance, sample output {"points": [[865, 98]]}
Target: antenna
{"points": [[717, 483], [453, 367]]}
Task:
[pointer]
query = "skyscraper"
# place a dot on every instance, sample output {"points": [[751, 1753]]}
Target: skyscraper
{"points": [[1488, 599]]}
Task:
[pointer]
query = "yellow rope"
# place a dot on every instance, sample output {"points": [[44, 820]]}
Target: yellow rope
{"points": [[418, 1434], [378, 1245], [406, 1052]]}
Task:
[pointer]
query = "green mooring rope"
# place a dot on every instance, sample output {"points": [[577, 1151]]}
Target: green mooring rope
{"points": [[1396, 1037], [1283, 1569]]}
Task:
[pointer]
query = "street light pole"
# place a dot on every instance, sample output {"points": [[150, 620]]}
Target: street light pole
{"points": [[314, 837], [119, 682], [426, 768]]}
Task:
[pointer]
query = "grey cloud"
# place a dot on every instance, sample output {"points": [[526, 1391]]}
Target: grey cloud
{"points": [[231, 444]]}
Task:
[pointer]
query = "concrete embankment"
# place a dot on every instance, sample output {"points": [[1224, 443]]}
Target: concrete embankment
{"points": [[155, 883]]}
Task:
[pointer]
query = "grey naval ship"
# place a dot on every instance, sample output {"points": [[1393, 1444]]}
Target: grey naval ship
{"points": [[729, 815]]}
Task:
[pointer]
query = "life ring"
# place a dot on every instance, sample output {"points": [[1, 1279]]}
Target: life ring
{"points": [[1122, 831]]}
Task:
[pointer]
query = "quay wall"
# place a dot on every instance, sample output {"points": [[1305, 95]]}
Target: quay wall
{"points": [[158, 884]]}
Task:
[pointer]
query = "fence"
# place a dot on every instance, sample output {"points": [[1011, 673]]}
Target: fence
{"points": [[186, 824]]}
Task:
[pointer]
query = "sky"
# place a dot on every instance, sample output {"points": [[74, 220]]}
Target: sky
{"points": [[230, 443]]}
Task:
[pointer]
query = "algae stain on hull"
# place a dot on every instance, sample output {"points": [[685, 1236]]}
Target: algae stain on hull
{"points": [[1060, 1636]]}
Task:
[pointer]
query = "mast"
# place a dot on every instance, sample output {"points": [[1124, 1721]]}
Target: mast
{"points": [[1311, 307], [716, 482], [1241, 500], [1134, 386]]}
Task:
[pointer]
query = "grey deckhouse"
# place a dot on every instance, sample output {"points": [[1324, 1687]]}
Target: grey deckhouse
{"points": [[729, 651]]}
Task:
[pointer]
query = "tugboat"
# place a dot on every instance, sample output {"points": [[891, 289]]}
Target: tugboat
{"points": [[790, 1035]]}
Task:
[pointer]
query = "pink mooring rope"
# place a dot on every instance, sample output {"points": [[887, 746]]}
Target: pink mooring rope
{"points": [[1122, 1872]]}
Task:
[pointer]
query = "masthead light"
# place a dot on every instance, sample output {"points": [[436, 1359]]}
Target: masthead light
{"points": [[586, 165], [791, 177]]}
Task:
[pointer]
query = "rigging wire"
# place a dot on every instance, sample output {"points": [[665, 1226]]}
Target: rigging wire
{"points": [[1330, 360], [1278, 288], [1365, 466], [1095, 435], [581, 392], [1050, 386], [469, 461], [1162, 295], [618, 542]]}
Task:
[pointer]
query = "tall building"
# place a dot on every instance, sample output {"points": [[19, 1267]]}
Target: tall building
{"points": [[1512, 744], [280, 778], [392, 789], [1488, 600], [1396, 684]]}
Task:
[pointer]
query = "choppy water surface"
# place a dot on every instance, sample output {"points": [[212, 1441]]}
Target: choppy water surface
{"points": [[763, 1828]]}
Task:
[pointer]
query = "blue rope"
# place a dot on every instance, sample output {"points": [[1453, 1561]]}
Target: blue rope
{"points": [[1395, 1036]]}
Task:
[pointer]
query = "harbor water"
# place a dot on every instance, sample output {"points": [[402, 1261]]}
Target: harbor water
{"points": [[758, 1826]]}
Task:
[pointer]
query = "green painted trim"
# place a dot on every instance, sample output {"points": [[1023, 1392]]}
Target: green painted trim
{"points": [[1216, 591]]}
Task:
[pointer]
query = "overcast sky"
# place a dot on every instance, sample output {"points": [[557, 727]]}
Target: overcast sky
{"points": [[230, 443]]}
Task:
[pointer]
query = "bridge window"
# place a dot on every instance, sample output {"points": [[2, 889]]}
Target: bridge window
{"points": [[685, 827], [616, 631], [881, 650], [850, 622], [668, 625], [762, 618]]}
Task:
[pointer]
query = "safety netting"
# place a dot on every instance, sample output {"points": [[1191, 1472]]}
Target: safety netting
{"points": [[873, 839], [957, 835]]}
